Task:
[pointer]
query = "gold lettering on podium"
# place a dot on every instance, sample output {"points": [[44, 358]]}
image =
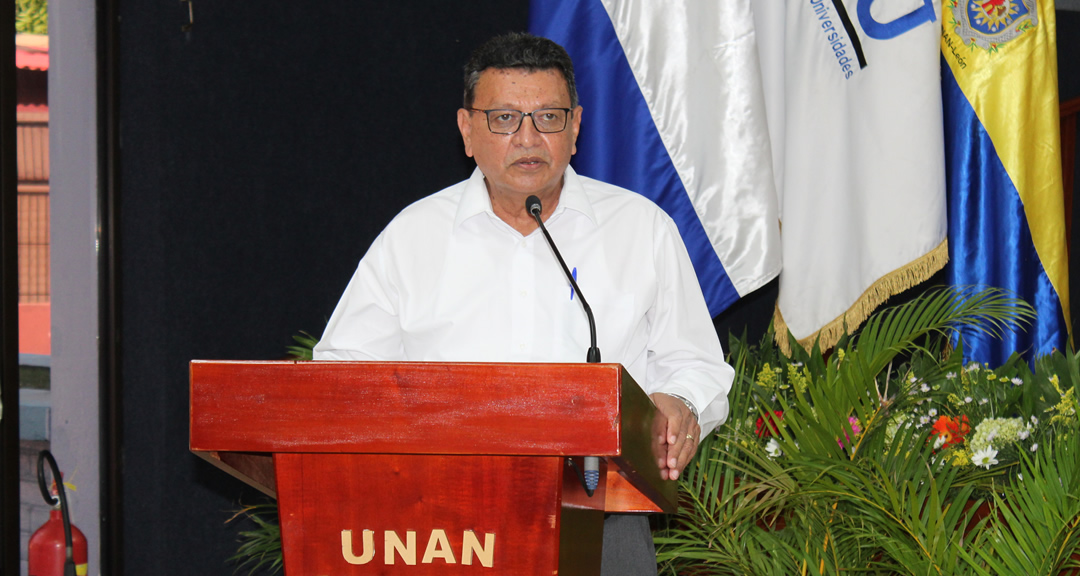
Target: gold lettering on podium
{"points": [[368, 549], [438, 547], [471, 545], [392, 543]]}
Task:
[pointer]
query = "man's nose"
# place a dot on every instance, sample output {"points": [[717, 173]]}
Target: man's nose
{"points": [[528, 133]]}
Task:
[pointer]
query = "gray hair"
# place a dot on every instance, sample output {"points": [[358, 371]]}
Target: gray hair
{"points": [[519, 50]]}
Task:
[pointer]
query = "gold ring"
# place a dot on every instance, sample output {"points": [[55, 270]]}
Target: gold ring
{"points": [[689, 436]]}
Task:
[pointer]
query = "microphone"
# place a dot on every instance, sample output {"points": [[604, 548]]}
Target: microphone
{"points": [[532, 205], [592, 463]]}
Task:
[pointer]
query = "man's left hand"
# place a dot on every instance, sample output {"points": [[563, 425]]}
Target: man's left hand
{"points": [[681, 438]]}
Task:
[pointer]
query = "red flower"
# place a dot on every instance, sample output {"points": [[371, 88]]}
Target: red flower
{"points": [[772, 429], [951, 429]]}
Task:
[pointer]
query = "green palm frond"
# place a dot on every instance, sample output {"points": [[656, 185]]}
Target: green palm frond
{"points": [[260, 547], [938, 313], [1036, 530], [305, 343]]}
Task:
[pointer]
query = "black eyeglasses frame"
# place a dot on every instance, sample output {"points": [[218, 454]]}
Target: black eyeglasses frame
{"points": [[521, 121]]}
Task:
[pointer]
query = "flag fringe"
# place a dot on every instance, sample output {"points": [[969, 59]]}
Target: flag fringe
{"points": [[893, 283]]}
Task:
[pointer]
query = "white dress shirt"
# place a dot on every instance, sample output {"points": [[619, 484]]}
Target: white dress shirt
{"points": [[449, 281]]}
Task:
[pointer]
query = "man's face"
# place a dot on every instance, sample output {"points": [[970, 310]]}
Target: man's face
{"points": [[526, 162]]}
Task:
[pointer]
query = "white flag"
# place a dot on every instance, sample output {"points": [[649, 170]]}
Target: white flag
{"points": [[854, 93]]}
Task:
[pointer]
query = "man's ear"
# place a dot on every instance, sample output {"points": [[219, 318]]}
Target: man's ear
{"points": [[575, 128], [465, 127]]}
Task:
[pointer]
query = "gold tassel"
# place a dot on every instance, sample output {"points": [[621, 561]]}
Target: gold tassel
{"points": [[889, 285]]}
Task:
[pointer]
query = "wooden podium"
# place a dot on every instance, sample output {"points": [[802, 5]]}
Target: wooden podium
{"points": [[433, 468]]}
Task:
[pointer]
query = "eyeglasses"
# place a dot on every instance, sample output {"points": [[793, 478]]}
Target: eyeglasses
{"points": [[546, 120]]}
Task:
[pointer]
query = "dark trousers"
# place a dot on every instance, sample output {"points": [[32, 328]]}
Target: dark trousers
{"points": [[628, 546]]}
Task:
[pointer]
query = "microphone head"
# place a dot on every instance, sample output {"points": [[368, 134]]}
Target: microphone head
{"points": [[532, 205]]}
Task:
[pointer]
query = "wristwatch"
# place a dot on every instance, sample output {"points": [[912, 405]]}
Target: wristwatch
{"points": [[689, 405]]}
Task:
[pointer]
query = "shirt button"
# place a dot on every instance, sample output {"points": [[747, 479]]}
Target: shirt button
{"points": [[522, 346], [524, 293]]}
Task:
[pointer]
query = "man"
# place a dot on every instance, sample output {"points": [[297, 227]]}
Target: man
{"points": [[465, 275]]}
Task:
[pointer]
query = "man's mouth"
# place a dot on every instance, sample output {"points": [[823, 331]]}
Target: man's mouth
{"points": [[529, 162]]}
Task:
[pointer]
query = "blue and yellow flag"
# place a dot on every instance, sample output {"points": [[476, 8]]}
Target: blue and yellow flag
{"points": [[1003, 163]]}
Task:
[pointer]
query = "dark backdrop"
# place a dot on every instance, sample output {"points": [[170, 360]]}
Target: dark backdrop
{"points": [[1068, 88], [261, 152]]}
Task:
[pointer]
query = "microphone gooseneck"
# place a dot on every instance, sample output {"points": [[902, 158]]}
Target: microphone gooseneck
{"points": [[591, 464], [533, 206]]}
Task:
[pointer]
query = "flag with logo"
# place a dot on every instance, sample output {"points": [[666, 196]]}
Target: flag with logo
{"points": [[1006, 204], [673, 109], [854, 97]]}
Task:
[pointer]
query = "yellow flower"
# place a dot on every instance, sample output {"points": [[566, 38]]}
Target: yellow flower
{"points": [[959, 457], [766, 378], [1064, 412], [800, 379]]}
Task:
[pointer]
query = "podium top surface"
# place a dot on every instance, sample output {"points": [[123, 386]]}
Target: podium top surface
{"points": [[414, 407]]}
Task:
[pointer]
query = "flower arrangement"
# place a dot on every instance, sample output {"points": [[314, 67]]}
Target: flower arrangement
{"points": [[889, 455], [975, 415]]}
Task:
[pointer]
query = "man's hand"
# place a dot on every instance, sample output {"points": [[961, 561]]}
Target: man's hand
{"points": [[680, 440]]}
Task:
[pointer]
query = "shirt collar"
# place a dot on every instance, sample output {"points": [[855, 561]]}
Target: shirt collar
{"points": [[475, 199]]}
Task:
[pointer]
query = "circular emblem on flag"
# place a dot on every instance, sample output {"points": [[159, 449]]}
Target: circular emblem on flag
{"points": [[991, 23]]}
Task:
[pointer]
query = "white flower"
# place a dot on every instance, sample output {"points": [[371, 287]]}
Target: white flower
{"points": [[1017, 381], [950, 376], [1034, 421], [773, 448], [939, 442], [924, 420], [973, 367], [925, 387], [931, 412], [985, 458], [1034, 446], [983, 401], [1023, 434], [967, 399], [1020, 476]]}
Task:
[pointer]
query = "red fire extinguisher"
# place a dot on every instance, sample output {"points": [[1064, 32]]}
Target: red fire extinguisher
{"points": [[58, 548]]}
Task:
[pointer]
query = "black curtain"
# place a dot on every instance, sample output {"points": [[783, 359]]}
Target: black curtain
{"points": [[1068, 34], [260, 153]]}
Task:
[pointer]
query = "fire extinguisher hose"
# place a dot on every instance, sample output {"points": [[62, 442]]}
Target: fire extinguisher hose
{"points": [[43, 456]]}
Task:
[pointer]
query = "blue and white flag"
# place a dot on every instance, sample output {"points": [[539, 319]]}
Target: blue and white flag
{"points": [[674, 110]]}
